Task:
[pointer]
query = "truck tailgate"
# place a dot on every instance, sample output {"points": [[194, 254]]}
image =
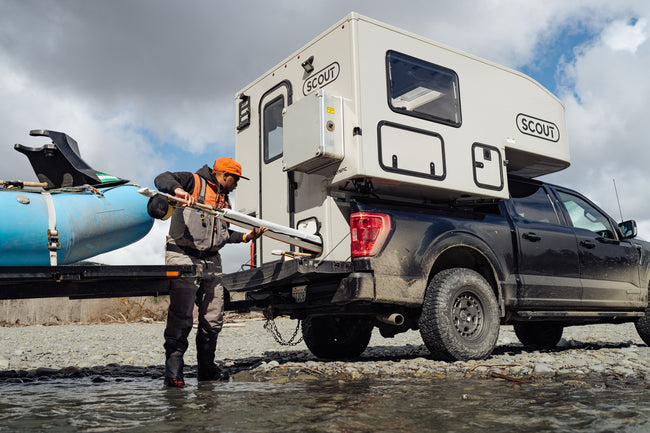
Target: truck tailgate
{"points": [[286, 274]]}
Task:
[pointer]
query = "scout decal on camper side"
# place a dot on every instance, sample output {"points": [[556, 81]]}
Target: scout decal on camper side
{"points": [[538, 128], [321, 78]]}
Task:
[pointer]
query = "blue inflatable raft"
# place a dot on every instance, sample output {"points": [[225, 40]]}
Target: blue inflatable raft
{"points": [[79, 212]]}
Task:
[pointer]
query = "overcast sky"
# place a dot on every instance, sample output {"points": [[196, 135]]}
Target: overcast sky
{"points": [[146, 86]]}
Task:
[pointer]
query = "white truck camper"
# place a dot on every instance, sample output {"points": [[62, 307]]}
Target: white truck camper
{"points": [[369, 109]]}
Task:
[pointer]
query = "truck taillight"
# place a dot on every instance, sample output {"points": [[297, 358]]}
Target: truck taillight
{"points": [[369, 232]]}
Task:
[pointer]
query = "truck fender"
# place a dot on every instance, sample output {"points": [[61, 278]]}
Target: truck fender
{"points": [[466, 250]]}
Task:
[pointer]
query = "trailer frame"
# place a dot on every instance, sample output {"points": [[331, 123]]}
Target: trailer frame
{"points": [[87, 281]]}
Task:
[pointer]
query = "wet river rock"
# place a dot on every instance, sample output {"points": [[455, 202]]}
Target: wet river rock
{"points": [[606, 354]]}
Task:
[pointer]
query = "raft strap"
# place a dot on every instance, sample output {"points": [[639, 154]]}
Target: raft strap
{"points": [[53, 243]]}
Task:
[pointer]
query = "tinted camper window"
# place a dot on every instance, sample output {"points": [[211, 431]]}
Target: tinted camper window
{"points": [[422, 89], [272, 118], [532, 203]]}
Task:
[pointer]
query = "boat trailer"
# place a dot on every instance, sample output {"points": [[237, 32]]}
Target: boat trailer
{"points": [[86, 281]]}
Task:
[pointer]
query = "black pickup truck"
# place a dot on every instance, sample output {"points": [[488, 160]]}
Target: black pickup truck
{"points": [[545, 259]]}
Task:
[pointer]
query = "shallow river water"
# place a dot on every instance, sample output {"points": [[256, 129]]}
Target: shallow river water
{"points": [[376, 405]]}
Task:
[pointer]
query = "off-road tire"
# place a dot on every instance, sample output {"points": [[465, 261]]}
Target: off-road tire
{"points": [[460, 316], [643, 325], [336, 337], [537, 335]]}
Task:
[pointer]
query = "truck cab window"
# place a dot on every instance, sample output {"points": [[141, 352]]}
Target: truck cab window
{"points": [[531, 202], [272, 129], [421, 89], [584, 216]]}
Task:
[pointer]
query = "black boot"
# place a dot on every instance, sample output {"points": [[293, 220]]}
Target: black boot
{"points": [[174, 371], [206, 346], [210, 373], [171, 382]]}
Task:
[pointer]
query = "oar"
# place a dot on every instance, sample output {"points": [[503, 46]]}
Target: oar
{"points": [[278, 232], [22, 184]]}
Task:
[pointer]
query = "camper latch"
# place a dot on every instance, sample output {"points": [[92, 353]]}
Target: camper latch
{"points": [[363, 186]]}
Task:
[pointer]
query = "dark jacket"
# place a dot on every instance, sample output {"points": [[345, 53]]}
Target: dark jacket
{"points": [[192, 228]]}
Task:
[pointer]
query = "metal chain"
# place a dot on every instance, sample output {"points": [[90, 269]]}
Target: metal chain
{"points": [[275, 333]]}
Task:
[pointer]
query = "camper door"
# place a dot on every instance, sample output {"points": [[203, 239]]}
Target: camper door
{"points": [[274, 184]]}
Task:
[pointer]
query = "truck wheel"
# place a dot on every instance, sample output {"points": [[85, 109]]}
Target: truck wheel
{"points": [[539, 335], [643, 326], [460, 316], [336, 337]]}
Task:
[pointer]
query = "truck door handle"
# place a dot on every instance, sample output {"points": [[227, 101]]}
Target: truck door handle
{"points": [[531, 237], [588, 244]]}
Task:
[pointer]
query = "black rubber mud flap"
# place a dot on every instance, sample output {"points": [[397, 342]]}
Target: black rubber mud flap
{"points": [[643, 325], [537, 335], [336, 337]]}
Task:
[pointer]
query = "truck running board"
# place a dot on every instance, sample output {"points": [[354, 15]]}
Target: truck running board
{"points": [[578, 314]]}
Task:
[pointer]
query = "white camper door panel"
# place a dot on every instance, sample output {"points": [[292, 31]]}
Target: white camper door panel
{"points": [[273, 182], [488, 171], [411, 151]]}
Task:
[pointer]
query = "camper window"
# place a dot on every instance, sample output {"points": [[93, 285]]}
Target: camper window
{"points": [[532, 203], [272, 133], [422, 89]]}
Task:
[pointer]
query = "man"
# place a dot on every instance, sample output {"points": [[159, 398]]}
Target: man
{"points": [[195, 237]]}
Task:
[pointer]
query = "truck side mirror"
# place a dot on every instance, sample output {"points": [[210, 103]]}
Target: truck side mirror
{"points": [[309, 225], [628, 229]]}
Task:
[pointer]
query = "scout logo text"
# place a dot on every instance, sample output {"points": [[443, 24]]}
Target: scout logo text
{"points": [[321, 78]]}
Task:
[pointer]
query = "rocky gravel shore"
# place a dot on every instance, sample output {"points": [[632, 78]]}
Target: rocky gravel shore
{"points": [[106, 352]]}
